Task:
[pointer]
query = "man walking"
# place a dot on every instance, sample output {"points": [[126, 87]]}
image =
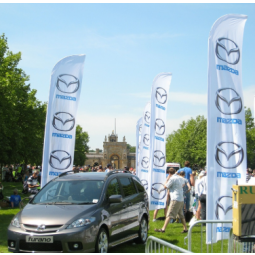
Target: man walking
{"points": [[189, 176], [175, 185]]}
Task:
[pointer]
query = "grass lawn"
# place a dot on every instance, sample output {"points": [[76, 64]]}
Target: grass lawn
{"points": [[172, 234]]}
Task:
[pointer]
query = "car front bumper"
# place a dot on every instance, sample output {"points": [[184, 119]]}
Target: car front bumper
{"points": [[65, 240]]}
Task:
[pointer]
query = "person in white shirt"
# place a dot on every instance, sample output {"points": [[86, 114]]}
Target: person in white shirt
{"points": [[167, 201], [202, 189], [109, 168], [175, 186], [198, 190]]}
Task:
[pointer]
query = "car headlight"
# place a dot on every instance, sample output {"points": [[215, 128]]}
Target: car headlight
{"points": [[15, 222], [81, 222]]}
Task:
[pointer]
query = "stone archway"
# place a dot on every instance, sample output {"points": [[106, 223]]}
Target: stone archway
{"points": [[115, 161]]}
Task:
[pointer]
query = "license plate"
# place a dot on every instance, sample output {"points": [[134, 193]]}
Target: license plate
{"points": [[39, 239]]}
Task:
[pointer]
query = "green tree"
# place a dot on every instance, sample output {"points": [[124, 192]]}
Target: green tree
{"points": [[250, 138], [12, 91], [81, 146], [131, 148], [22, 115], [18, 110], [188, 142], [33, 126]]}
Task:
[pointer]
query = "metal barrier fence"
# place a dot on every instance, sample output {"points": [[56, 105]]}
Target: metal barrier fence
{"points": [[201, 222], [243, 247], [246, 245], [156, 245]]}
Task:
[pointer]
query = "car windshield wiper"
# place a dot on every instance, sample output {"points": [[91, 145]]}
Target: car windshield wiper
{"points": [[55, 203], [86, 203], [64, 203]]}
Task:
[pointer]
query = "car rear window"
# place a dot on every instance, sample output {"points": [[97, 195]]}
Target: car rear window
{"points": [[138, 185], [128, 186]]}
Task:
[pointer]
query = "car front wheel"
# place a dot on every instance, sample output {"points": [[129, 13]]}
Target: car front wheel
{"points": [[143, 231], [102, 241]]}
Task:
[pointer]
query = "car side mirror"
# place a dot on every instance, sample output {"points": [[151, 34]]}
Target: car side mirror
{"points": [[115, 199], [31, 197]]}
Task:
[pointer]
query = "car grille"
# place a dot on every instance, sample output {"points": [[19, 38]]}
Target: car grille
{"points": [[56, 246], [48, 228]]}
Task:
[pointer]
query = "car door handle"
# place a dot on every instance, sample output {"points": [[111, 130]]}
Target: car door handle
{"points": [[124, 206]]}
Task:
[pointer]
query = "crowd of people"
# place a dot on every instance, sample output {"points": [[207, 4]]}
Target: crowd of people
{"points": [[186, 189], [186, 195], [250, 176], [29, 176], [18, 172], [99, 168]]}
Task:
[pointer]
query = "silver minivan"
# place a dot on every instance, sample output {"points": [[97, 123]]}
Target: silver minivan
{"points": [[82, 212]]}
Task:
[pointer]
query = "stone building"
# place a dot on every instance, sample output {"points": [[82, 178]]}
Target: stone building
{"points": [[114, 152]]}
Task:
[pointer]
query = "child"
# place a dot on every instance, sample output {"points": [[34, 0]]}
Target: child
{"points": [[15, 199]]}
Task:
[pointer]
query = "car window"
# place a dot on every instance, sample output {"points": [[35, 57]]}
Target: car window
{"points": [[128, 186], [113, 188], [138, 185]]}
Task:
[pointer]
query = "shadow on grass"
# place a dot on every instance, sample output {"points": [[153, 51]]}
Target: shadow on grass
{"points": [[161, 218], [174, 241], [5, 221]]}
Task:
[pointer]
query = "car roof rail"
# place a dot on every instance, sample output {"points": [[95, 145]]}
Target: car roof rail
{"points": [[118, 171], [65, 173]]}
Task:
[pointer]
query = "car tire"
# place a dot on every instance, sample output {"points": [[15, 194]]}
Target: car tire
{"points": [[143, 231], [102, 243]]}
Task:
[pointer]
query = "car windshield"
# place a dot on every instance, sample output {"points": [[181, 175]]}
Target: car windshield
{"points": [[70, 192], [174, 167]]}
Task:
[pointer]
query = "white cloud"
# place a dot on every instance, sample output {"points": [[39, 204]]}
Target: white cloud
{"points": [[95, 40], [100, 125]]}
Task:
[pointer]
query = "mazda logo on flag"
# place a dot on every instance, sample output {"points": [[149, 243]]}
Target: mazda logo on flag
{"points": [[63, 121], [145, 184], [160, 127], [159, 158], [233, 105], [227, 150], [156, 192], [146, 139], [219, 207], [60, 159], [140, 128], [200, 187], [67, 83], [147, 117], [227, 50], [145, 162], [161, 95]]}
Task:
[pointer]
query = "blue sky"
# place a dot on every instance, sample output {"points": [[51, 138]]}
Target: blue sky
{"points": [[126, 46]]}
